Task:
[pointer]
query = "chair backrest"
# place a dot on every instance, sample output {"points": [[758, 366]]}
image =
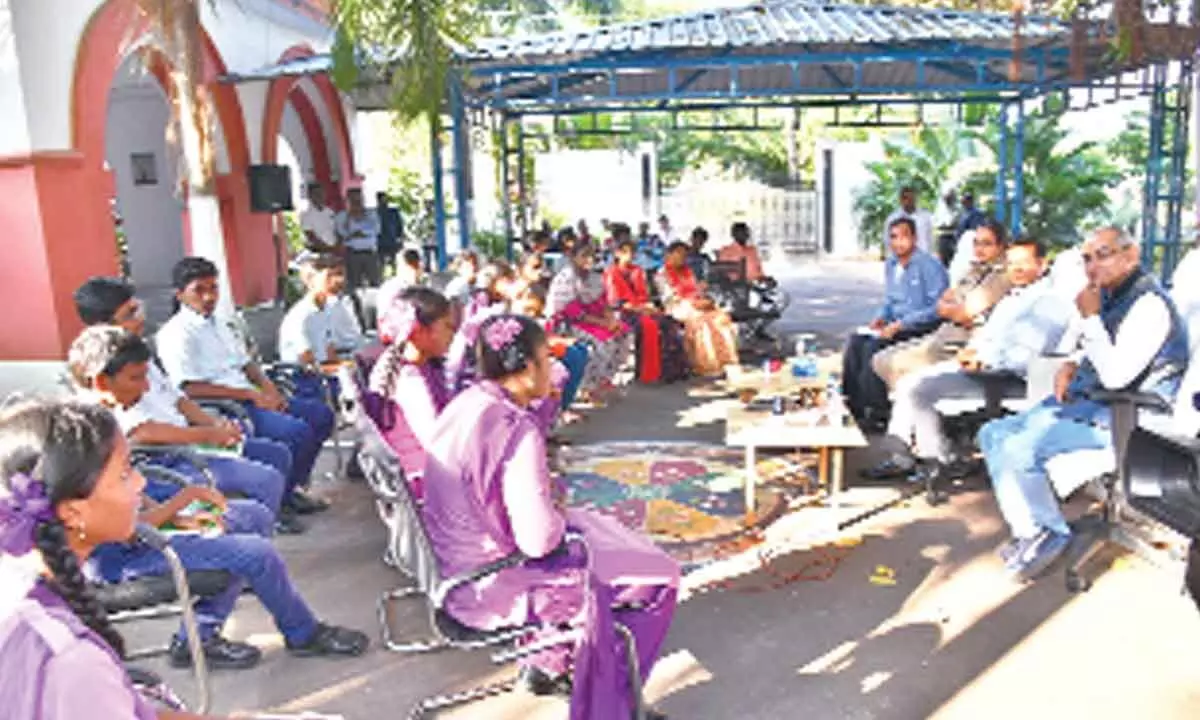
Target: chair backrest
{"points": [[411, 547], [1185, 419]]}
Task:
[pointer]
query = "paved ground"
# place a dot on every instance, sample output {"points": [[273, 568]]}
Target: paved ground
{"points": [[951, 638]]}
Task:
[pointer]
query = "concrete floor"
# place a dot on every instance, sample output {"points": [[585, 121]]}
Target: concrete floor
{"points": [[951, 638]]}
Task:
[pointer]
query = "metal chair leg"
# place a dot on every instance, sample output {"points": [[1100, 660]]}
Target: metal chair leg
{"points": [[416, 647], [635, 673]]}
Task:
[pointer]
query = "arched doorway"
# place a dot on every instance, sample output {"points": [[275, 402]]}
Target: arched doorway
{"points": [[147, 205]]}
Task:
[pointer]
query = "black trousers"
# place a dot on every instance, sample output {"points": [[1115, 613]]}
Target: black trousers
{"points": [[865, 392]]}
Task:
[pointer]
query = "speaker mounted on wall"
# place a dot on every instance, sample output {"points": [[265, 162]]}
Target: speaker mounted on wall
{"points": [[270, 188]]}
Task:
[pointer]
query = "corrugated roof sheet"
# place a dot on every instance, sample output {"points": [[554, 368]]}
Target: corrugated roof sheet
{"points": [[779, 23]]}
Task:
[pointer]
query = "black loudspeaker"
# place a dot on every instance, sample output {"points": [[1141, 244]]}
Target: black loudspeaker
{"points": [[270, 188]]}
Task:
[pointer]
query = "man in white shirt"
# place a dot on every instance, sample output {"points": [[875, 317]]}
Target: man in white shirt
{"points": [[204, 357], [666, 233], [318, 222], [165, 416], [1024, 324], [921, 219], [358, 229], [1132, 338]]}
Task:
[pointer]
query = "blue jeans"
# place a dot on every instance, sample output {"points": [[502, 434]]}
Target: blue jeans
{"points": [[251, 560], [1016, 449], [304, 428], [235, 476], [270, 452], [575, 359]]}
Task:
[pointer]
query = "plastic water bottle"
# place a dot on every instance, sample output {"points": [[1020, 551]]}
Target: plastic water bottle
{"points": [[835, 406]]}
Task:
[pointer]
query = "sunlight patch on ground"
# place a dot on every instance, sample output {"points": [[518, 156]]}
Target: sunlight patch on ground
{"points": [[673, 673]]}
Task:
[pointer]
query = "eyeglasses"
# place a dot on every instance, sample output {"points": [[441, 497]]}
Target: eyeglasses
{"points": [[1101, 255]]}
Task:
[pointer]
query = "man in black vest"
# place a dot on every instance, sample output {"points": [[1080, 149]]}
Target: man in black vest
{"points": [[1131, 338]]}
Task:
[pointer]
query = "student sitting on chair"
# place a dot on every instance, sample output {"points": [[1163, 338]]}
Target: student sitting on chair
{"points": [[165, 416], [64, 490], [74, 460], [409, 379], [1132, 338], [741, 249], [1027, 322], [110, 366], [488, 494], [309, 331], [206, 361]]}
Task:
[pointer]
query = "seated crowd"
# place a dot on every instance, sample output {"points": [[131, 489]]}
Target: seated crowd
{"points": [[1117, 326], [466, 386]]}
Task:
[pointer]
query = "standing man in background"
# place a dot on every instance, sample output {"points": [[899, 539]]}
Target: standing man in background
{"points": [[318, 222], [921, 219], [391, 230], [359, 231]]}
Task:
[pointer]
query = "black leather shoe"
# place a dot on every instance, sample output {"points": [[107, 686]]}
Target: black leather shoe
{"points": [[536, 681], [891, 469], [331, 640], [221, 654], [288, 524], [652, 714], [304, 505]]}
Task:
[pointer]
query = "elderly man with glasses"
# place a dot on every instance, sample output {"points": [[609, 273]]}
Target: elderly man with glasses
{"points": [[1131, 338]]}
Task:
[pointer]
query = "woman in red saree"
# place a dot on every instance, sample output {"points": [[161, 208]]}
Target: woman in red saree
{"points": [[709, 334], [658, 336]]}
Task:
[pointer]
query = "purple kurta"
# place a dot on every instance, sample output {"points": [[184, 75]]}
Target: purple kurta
{"points": [[52, 667], [408, 414], [487, 496]]}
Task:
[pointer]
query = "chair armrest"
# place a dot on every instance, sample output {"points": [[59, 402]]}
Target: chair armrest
{"points": [[994, 381], [230, 410], [187, 453], [1135, 398], [174, 477], [516, 559]]}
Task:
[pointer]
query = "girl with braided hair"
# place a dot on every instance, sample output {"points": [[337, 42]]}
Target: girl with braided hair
{"points": [[408, 387], [66, 487], [489, 495]]}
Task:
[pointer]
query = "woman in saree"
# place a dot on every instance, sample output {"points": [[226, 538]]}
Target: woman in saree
{"points": [[407, 385], [710, 337], [576, 306], [658, 349], [489, 494]]}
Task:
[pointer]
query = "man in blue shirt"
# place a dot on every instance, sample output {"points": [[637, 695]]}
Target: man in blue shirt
{"points": [[914, 280]]}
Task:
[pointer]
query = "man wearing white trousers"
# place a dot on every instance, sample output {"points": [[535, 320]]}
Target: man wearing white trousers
{"points": [[1026, 323]]}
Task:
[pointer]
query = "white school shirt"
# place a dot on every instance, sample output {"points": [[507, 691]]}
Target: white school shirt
{"points": [[160, 404], [320, 222], [924, 222], [347, 332], [194, 348], [306, 328]]}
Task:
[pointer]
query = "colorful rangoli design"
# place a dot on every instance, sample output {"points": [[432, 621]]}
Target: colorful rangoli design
{"points": [[679, 494]]}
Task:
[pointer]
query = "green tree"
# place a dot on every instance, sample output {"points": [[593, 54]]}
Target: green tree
{"points": [[924, 163], [1066, 185]]}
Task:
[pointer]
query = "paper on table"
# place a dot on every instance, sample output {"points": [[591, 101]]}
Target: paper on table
{"points": [[865, 330]]}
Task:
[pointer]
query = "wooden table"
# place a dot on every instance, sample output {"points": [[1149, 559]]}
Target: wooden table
{"points": [[756, 427]]}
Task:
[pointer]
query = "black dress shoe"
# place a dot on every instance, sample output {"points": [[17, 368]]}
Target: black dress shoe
{"points": [[332, 640], [652, 714], [536, 681], [220, 654], [890, 469], [288, 524], [304, 505]]}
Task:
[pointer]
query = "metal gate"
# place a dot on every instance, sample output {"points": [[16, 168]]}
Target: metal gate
{"points": [[781, 221]]}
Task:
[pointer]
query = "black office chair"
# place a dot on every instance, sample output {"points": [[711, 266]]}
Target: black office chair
{"points": [[1150, 470], [752, 305]]}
